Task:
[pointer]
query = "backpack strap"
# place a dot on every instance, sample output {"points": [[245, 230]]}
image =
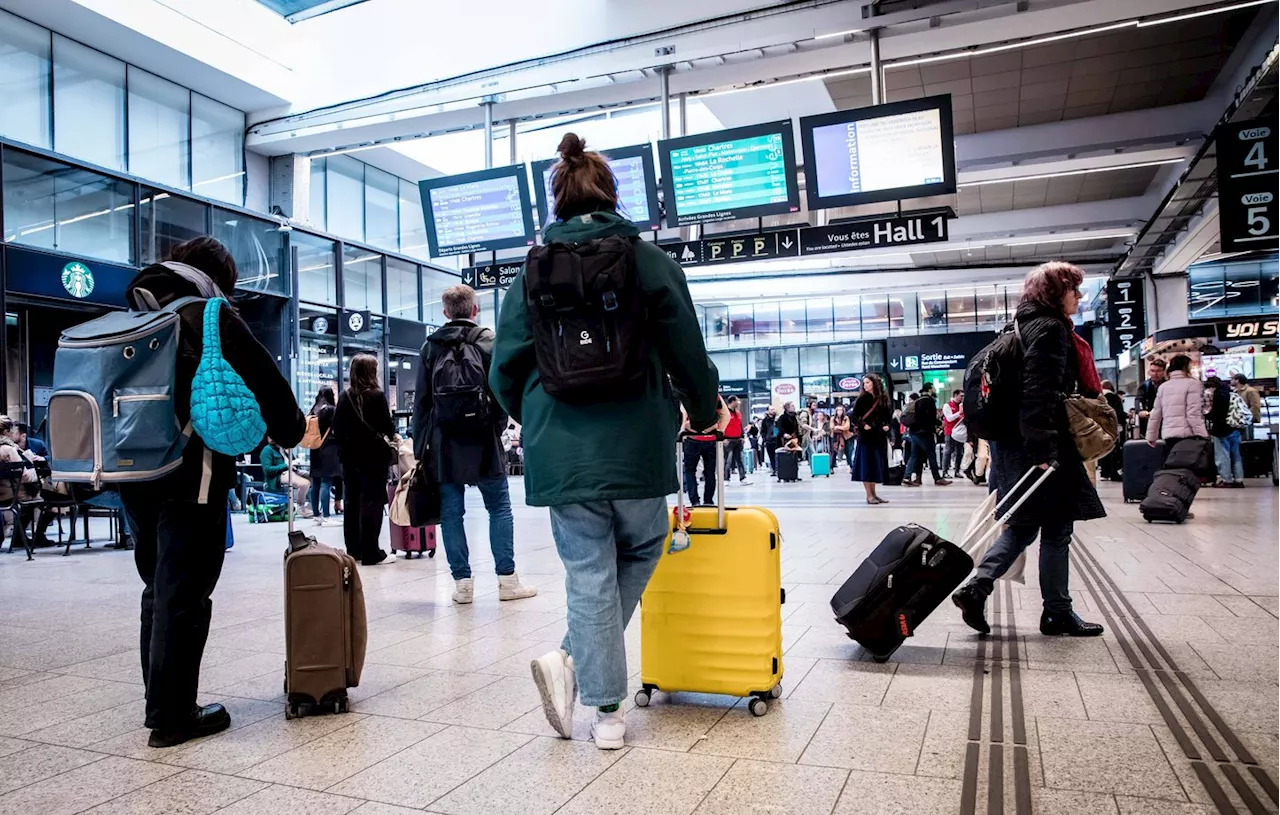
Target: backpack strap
{"points": [[203, 283], [559, 278], [212, 330]]}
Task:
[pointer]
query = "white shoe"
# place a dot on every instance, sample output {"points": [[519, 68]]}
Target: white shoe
{"points": [[464, 591], [610, 730], [553, 674], [319, 521], [510, 588], [388, 560]]}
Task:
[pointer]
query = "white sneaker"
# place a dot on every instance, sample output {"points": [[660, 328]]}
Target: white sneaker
{"points": [[610, 730], [388, 560], [464, 591], [319, 521], [553, 674], [510, 588]]}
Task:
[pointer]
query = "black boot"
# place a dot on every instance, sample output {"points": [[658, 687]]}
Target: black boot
{"points": [[972, 602], [208, 720], [1056, 623]]}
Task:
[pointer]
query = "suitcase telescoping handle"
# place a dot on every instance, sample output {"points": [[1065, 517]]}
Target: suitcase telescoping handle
{"points": [[991, 516], [719, 475]]}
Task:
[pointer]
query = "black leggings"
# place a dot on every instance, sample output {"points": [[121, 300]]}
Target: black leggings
{"points": [[362, 522]]}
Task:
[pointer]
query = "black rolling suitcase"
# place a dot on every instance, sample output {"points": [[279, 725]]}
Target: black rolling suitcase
{"points": [[893, 475], [1172, 492], [912, 571], [1192, 454], [1257, 456], [788, 465], [1139, 468]]}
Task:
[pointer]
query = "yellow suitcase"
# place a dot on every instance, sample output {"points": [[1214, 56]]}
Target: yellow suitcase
{"points": [[711, 617]]}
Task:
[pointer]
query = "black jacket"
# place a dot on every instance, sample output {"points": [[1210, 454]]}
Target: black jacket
{"points": [[867, 411], [1117, 405], [766, 431], [362, 424], [926, 417], [1050, 370], [325, 460], [455, 460], [1219, 409], [204, 474]]}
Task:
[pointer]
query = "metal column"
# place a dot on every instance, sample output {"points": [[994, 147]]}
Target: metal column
{"points": [[682, 117], [511, 137], [877, 71], [488, 133], [664, 85]]}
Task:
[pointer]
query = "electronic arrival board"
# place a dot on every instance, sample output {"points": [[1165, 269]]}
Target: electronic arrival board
{"points": [[637, 188], [746, 172], [477, 212], [882, 153]]}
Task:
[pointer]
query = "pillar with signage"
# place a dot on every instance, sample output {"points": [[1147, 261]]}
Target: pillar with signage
{"points": [[1126, 314], [1248, 216]]}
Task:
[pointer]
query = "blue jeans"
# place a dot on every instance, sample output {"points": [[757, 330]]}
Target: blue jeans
{"points": [[1226, 453], [1055, 560], [502, 534], [320, 490], [609, 550], [922, 449]]}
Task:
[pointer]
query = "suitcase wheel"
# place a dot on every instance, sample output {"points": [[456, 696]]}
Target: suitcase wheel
{"points": [[880, 659], [293, 710], [758, 706], [643, 697], [431, 553], [776, 691]]}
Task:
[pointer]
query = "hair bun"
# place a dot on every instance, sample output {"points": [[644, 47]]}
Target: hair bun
{"points": [[571, 146]]}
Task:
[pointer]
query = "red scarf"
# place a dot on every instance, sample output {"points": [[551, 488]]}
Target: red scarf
{"points": [[1090, 382]]}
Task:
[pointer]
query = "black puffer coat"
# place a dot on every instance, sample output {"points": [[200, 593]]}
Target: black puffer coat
{"points": [[1049, 371]]}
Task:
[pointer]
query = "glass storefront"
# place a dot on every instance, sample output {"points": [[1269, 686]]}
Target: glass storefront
{"points": [[765, 376], [357, 201]]}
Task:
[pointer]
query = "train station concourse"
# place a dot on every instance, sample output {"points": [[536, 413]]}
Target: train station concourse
{"points": [[733, 407]]}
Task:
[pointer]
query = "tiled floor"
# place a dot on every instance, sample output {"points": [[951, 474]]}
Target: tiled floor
{"points": [[1174, 710]]}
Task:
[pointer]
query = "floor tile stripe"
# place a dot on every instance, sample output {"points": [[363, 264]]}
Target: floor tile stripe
{"points": [[1243, 789], [969, 786], [995, 780]]}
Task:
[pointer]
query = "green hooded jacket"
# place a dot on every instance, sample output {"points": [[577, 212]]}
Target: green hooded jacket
{"points": [[612, 450]]}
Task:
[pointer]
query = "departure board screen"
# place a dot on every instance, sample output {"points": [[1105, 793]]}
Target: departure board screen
{"points": [[477, 212], [881, 153], [746, 172], [637, 186]]}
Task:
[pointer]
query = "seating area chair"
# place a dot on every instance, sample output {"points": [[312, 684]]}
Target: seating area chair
{"points": [[20, 505]]}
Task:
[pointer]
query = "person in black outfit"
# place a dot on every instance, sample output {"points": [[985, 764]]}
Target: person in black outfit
{"points": [[770, 434], [922, 437], [179, 522], [362, 423], [1110, 464], [326, 464], [1157, 374], [1041, 438], [870, 419]]}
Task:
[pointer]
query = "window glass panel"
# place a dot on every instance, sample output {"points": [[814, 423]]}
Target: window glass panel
{"points": [[873, 356], [402, 289], [317, 353], [903, 317], [413, 235], [847, 323], [434, 282], [991, 308], [731, 365], [819, 324], [487, 299], [167, 221], [217, 150], [741, 325], [344, 197], [89, 104], [847, 359], [961, 306], [159, 129], [368, 342], [875, 315], [792, 319], [361, 279], [259, 250], [50, 205], [765, 363], [933, 312], [768, 329], [24, 76], [315, 268], [813, 360], [717, 326], [790, 365], [381, 200], [1243, 289], [316, 195]]}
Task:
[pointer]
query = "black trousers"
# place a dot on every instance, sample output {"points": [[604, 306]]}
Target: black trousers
{"points": [[704, 451], [178, 549], [733, 458], [771, 448], [362, 520]]}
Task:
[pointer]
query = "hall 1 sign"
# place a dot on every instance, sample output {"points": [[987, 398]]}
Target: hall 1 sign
{"points": [[1126, 314], [873, 233], [492, 275], [1247, 163]]}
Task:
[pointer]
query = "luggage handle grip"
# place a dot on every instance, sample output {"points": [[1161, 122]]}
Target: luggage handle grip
{"points": [[719, 476], [1027, 493]]}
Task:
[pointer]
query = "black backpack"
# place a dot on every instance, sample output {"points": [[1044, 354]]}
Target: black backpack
{"points": [[587, 317], [459, 388], [993, 387]]}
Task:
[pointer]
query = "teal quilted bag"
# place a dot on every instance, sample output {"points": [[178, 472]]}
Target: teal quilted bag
{"points": [[223, 410]]}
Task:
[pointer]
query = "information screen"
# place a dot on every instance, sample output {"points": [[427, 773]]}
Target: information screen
{"points": [[477, 212], [637, 186], [882, 153], [747, 172]]}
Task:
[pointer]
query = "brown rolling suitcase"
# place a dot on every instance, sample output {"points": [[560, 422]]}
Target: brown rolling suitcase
{"points": [[325, 626]]}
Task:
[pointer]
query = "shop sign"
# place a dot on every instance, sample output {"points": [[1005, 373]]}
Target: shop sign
{"points": [[846, 384], [1126, 313], [1249, 217], [492, 275], [935, 352], [355, 322], [1253, 329], [77, 279], [65, 278]]}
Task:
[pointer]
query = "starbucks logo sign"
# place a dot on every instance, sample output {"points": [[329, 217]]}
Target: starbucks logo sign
{"points": [[77, 280]]}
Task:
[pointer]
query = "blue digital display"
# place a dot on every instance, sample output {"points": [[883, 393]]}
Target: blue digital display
{"points": [[747, 172], [637, 186], [477, 212]]}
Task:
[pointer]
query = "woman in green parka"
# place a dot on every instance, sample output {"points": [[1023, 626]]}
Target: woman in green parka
{"points": [[604, 469]]}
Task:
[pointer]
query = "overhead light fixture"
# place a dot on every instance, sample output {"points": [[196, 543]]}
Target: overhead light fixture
{"points": [[828, 75], [1191, 15], [996, 49], [1065, 173], [834, 34]]}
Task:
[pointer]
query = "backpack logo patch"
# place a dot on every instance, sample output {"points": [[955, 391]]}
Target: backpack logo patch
{"points": [[585, 338]]}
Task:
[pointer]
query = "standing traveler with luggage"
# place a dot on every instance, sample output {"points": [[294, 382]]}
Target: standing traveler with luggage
{"points": [[325, 463], [600, 443], [1177, 412], [1157, 375], [841, 437], [362, 424], [733, 435], [770, 435], [870, 461], [1110, 464], [179, 520], [1227, 418], [921, 431], [457, 427], [1050, 368]]}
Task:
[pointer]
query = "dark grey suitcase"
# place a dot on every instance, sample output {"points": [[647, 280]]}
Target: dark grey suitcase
{"points": [[1192, 454], [1171, 495], [788, 465], [1139, 468]]}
